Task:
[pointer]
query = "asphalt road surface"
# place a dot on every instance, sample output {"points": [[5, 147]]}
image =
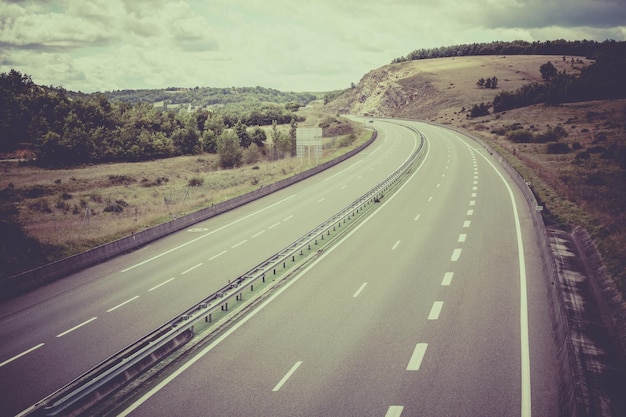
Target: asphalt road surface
{"points": [[434, 306], [54, 334]]}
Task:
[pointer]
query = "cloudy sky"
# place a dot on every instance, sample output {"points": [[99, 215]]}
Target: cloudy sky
{"points": [[290, 45]]}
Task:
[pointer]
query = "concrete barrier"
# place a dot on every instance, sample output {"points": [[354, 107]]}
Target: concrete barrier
{"points": [[26, 281]]}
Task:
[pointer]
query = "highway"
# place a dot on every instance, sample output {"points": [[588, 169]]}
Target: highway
{"points": [[52, 335], [434, 306]]}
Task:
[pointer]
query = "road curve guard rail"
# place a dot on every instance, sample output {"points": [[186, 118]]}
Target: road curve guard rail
{"points": [[114, 373]]}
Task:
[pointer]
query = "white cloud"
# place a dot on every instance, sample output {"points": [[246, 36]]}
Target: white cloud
{"points": [[300, 45]]}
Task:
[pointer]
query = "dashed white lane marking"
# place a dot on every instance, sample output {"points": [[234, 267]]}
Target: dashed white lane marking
{"points": [[239, 244], [395, 245], [456, 254], [207, 234], [474, 195], [287, 376], [472, 202], [467, 223], [447, 279], [274, 225], [288, 218], [470, 212], [435, 310], [417, 356], [258, 234], [21, 354], [417, 217], [356, 294], [394, 411], [77, 327], [122, 304], [474, 188], [163, 283], [192, 268], [430, 199], [462, 238], [215, 256], [321, 199]]}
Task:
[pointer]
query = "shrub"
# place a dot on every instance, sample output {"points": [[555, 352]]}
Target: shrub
{"points": [[196, 182], [558, 148], [520, 136], [115, 207]]}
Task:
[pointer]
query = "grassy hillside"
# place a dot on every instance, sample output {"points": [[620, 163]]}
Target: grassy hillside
{"points": [[573, 153]]}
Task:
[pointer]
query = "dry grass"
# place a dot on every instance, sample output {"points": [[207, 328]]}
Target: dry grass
{"points": [[77, 209]]}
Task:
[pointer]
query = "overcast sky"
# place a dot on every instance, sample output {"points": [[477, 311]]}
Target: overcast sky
{"points": [[290, 45]]}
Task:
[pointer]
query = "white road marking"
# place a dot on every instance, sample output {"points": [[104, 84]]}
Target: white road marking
{"points": [[342, 187], [430, 199], [474, 195], [207, 234], [121, 304], [447, 279], [526, 400], [192, 268], [396, 245], [163, 283], [21, 354], [77, 327], [438, 185], [475, 183], [321, 199], [239, 244], [394, 411], [254, 312], [215, 256], [417, 217], [287, 376], [470, 212], [456, 254], [435, 310], [472, 202], [462, 238], [343, 170], [474, 188], [467, 223], [356, 294], [258, 234], [274, 225], [416, 357], [288, 218]]}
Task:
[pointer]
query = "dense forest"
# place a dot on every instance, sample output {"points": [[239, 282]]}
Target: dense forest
{"points": [[588, 49], [60, 128]]}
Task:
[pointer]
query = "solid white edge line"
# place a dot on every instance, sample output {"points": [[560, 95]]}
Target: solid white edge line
{"points": [[207, 234], [254, 312], [287, 376], [21, 354], [76, 327], [121, 304], [416, 358], [526, 401], [394, 411]]}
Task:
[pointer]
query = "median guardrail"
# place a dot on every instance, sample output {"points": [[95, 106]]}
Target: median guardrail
{"points": [[120, 369]]}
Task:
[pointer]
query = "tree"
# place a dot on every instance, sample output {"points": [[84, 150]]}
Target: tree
{"points": [[229, 150], [258, 137], [548, 71], [241, 130]]}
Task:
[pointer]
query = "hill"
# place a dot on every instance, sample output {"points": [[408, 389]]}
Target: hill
{"points": [[574, 154]]}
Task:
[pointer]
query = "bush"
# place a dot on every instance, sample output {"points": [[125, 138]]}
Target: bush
{"points": [[558, 148], [520, 136], [196, 182]]}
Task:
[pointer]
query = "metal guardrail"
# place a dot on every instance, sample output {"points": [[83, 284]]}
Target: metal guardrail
{"points": [[114, 373]]}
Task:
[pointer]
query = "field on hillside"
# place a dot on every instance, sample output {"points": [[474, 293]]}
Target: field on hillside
{"points": [[72, 210], [580, 178]]}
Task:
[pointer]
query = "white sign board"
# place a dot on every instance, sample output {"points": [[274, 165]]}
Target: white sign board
{"points": [[308, 136]]}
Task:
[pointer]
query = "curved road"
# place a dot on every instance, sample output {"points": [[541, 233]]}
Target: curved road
{"points": [[436, 305], [52, 335]]}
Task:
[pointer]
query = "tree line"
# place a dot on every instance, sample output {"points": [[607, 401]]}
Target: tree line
{"points": [[62, 128], [589, 49]]}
